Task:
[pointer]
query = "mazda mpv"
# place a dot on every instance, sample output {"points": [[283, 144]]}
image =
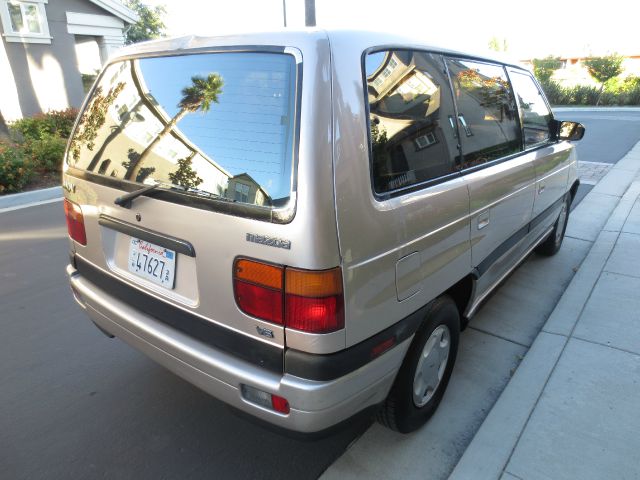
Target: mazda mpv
{"points": [[300, 223]]}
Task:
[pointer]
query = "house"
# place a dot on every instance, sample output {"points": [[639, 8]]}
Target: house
{"points": [[49, 46]]}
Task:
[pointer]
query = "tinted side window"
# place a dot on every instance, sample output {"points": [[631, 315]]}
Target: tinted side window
{"points": [[535, 113], [488, 116], [411, 118]]}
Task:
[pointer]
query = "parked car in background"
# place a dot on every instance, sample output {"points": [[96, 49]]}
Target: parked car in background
{"points": [[301, 223]]}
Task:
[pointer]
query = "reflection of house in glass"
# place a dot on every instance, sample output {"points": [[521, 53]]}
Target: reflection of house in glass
{"points": [[134, 121], [243, 188], [408, 142]]}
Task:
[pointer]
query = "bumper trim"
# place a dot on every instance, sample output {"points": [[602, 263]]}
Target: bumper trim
{"points": [[250, 350]]}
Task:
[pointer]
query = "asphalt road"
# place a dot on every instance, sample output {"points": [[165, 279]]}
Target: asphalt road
{"points": [[609, 135], [76, 405]]}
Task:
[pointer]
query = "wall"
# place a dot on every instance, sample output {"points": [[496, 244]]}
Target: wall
{"points": [[47, 76]]}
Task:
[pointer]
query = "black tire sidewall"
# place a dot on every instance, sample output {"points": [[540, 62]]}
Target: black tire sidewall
{"points": [[558, 243], [409, 417]]}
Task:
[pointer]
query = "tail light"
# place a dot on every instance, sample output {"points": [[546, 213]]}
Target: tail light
{"points": [[313, 300], [258, 290], [75, 222], [310, 301]]}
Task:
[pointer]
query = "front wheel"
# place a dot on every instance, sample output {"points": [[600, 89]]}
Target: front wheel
{"points": [[425, 371], [554, 241]]}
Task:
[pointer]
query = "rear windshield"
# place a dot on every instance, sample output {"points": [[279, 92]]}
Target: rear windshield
{"points": [[216, 125]]}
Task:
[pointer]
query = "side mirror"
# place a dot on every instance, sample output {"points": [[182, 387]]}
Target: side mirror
{"points": [[572, 131]]}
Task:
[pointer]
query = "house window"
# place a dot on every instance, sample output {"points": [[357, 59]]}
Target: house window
{"points": [[242, 193], [385, 73], [24, 21], [423, 141]]}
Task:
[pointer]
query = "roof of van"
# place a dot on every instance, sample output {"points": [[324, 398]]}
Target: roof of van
{"points": [[291, 36]]}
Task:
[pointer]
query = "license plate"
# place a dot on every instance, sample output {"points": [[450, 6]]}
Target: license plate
{"points": [[152, 262]]}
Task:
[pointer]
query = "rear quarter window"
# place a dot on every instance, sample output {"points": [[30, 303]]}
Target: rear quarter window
{"points": [[216, 125]]}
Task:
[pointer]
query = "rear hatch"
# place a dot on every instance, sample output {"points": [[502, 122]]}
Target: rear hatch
{"points": [[214, 136]]}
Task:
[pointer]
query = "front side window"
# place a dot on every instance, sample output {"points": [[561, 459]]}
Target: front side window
{"points": [[411, 119], [487, 111], [217, 126], [24, 20], [536, 116]]}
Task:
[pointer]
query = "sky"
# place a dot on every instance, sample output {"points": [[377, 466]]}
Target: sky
{"points": [[535, 28]]}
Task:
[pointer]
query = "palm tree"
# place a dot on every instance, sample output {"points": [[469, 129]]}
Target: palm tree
{"points": [[200, 95]]}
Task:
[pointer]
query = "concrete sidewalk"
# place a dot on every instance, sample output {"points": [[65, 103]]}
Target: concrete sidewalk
{"points": [[572, 409], [42, 196]]}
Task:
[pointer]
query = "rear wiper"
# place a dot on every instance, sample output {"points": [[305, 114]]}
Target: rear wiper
{"points": [[125, 200]]}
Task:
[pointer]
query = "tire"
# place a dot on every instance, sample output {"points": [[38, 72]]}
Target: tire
{"points": [[554, 241], [406, 410]]}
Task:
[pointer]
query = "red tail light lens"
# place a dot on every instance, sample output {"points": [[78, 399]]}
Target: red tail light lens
{"points": [[259, 301], [306, 300], [75, 222], [315, 315], [313, 300]]}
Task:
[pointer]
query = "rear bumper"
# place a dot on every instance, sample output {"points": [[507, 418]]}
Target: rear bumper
{"points": [[315, 405]]}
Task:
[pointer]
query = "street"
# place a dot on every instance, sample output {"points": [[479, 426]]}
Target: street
{"points": [[75, 404]]}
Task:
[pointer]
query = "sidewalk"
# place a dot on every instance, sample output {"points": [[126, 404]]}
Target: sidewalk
{"points": [[572, 409]]}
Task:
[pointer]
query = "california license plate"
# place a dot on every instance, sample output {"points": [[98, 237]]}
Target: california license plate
{"points": [[152, 262]]}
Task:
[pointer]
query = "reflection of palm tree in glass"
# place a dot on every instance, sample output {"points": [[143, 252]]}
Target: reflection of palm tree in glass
{"points": [[198, 96]]}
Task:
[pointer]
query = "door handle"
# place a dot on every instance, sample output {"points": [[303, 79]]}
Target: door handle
{"points": [[453, 127], [541, 188], [483, 219], [466, 127]]}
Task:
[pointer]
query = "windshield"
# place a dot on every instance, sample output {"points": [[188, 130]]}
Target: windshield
{"points": [[217, 125]]}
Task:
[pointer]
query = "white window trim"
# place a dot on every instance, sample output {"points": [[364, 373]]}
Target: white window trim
{"points": [[11, 36]]}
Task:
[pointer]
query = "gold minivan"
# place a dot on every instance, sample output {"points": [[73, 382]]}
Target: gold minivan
{"points": [[301, 222]]}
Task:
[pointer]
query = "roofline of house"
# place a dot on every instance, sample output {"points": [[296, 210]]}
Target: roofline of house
{"points": [[117, 9]]}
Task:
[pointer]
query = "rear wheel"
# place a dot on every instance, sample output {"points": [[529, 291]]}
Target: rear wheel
{"points": [[553, 243], [425, 372]]}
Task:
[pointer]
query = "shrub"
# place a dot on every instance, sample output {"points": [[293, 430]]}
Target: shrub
{"points": [[53, 123], [46, 154], [15, 171], [625, 92]]}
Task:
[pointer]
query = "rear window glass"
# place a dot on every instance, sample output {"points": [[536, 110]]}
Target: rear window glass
{"points": [[216, 125]]}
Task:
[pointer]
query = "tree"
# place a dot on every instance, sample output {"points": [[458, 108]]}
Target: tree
{"points": [[185, 175], [198, 96], [4, 130], [497, 45], [543, 68], [93, 119], [149, 26], [603, 69]]}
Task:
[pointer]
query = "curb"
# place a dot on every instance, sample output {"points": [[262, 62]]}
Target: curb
{"points": [[26, 199], [595, 109], [488, 454]]}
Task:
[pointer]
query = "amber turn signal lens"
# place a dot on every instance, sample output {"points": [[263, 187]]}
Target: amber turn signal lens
{"points": [[306, 283], [259, 273]]}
